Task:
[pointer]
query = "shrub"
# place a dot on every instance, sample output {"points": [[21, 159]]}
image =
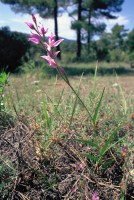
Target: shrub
{"points": [[13, 47]]}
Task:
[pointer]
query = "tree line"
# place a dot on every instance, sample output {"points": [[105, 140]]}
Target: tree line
{"points": [[86, 15], [117, 45]]}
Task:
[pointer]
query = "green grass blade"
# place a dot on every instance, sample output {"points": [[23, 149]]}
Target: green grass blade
{"points": [[45, 113], [56, 109], [95, 77], [93, 144], [106, 146], [93, 158], [107, 164], [124, 102], [122, 197], [95, 116], [75, 103], [61, 95]]}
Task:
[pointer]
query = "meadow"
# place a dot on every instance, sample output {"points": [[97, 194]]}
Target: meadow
{"points": [[59, 144], [66, 127]]}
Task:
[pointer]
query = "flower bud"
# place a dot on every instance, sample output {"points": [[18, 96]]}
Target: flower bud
{"points": [[33, 18], [30, 25]]}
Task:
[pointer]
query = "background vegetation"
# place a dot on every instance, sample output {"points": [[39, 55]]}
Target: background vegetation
{"points": [[70, 139], [92, 44]]}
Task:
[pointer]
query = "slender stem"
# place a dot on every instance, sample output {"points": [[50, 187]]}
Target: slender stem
{"points": [[80, 100], [68, 83]]}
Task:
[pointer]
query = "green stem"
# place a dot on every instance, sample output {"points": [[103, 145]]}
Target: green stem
{"points": [[64, 77]]}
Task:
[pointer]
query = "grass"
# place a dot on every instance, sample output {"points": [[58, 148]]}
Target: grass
{"points": [[54, 149]]}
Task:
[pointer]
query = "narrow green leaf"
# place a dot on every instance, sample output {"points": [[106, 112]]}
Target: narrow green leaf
{"points": [[94, 118], [93, 144], [61, 95], [124, 102], [45, 113], [93, 158], [95, 76], [106, 164], [75, 102], [122, 197], [105, 148]]}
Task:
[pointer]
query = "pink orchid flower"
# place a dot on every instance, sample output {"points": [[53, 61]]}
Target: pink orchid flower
{"points": [[35, 38], [52, 43], [31, 26], [51, 61], [53, 55], [95, 196]]}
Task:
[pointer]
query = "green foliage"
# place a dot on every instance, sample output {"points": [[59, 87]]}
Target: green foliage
{"points": [[130, 41], [118, 36], [94, 9], [3, 82], [116, 55], [56, 134]]}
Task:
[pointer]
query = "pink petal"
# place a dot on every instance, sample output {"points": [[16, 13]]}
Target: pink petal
{"points": [[34, 40], [57, 42], [51, 61], [35, 36], [52, 37], [48, 47], [46, 57], [56, 53]]}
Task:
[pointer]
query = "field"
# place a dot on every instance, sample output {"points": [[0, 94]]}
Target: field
{"points": [[59, 144]]}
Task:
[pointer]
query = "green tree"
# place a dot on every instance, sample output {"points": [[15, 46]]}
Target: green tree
{"points": [[102, 47], [130, 47], [130, 41], [118, 36], [89, 14]]}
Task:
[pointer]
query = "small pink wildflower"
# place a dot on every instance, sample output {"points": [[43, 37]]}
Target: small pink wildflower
{"points": [[53, 55], [95, 196], [38, 37], [31, 26], [34, 38], [52, 43], [51, 61]]}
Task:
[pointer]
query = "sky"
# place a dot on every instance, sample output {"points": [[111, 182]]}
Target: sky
{"points": [[16, 21]]}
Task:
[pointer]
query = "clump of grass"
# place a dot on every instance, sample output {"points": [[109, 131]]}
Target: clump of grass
{"points": [[66, 141]]}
